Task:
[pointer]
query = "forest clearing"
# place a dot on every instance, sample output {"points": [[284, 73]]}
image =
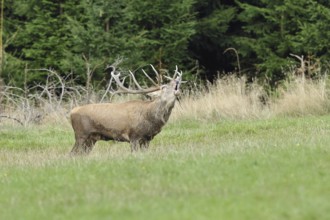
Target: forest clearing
{"points": [[222, 155], [241, 130]]}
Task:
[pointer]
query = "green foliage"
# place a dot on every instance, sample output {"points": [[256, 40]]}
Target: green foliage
{"points": [[274, 29], [37, 39], [158, 32], [211, 38], [69, 35]]}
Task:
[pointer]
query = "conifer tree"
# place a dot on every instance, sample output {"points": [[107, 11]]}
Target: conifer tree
{"points": [[68, 35], [212, 38], [271, 30]]}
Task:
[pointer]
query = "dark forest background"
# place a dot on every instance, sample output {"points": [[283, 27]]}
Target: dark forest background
{"points": [[71, 36]]}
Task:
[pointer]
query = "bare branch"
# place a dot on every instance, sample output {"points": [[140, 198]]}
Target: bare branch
{"points": [[15, 119], [302, 69], [237, 57], [107, 90]]}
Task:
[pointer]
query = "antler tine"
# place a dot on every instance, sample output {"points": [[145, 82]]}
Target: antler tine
{"points": [[134, 80], [159, 78], [131, 91], [177, 73], [152, 81], [117, 80], [180, 75]]}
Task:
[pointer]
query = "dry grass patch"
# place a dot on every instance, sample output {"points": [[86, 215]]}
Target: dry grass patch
{"points": [[229, 97], [302, 97], [234, 98]]}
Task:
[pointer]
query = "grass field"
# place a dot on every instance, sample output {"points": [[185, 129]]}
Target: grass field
{"points": [[275, 168]]}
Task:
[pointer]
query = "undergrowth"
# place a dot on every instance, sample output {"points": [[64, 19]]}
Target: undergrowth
{"points": [[229, 98]]}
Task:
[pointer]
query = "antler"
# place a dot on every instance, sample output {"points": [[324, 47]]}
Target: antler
{"points": [[177, 75], [140, 90]]}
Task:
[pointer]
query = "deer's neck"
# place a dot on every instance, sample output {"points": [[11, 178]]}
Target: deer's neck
{"points": [[162, 109]]}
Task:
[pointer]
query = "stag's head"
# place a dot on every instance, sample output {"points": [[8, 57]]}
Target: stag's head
{"points": [[165, 92], [169, 92]]}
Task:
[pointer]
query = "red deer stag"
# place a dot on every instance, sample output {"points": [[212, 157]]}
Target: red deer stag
{"points": [[136, 122]]}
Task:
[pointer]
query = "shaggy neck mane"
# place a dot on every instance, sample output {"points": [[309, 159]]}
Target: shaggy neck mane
{"points": [[161, 109]]}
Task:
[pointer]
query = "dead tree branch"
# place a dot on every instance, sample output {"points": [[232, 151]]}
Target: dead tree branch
{"points": [[237, 57], [14, 119]]}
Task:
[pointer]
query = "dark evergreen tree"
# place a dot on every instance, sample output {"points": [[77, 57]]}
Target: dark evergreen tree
{"points": [[212, 38], [38, 38], [271, 30], [69, 34], [160, 31]]}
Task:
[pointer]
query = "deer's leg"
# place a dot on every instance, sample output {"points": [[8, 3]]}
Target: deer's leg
{"points": [[83, 145], [88, 145], [78, 146], [134, 145], [144, 144]]}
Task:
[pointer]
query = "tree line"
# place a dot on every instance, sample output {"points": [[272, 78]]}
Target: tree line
{"points": [[251, 37]]}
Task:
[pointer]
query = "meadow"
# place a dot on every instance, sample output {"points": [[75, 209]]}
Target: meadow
{"points": [[223, 155]]}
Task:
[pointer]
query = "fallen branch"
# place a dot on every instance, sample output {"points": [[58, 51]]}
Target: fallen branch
{"points": [[15, 119]]}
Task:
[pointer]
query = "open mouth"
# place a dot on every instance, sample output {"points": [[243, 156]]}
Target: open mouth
{"points": [[177, 85]]}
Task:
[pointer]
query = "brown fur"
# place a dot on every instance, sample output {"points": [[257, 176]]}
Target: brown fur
{"points": [[136, 122]]}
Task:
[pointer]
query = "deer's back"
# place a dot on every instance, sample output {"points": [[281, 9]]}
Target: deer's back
{"points": [[129, 117]]}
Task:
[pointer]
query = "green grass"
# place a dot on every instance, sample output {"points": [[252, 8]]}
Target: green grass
{"points": [[250, 169]]}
